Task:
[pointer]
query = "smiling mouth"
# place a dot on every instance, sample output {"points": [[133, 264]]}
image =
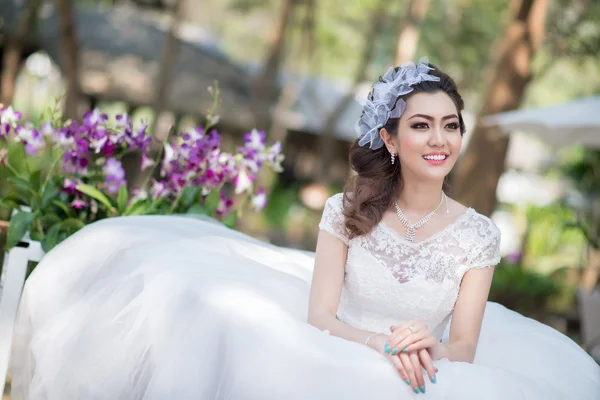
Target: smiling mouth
{"points": [[436, 157]]}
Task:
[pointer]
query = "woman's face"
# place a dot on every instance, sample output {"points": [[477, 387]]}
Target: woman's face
{"points": [[429, 139]]}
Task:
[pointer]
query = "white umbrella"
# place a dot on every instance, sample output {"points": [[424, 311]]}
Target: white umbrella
{"points": [[575, 122]]}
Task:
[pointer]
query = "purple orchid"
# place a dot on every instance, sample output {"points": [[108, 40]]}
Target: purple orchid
{"points": [[225, 205], [259, 201], [31, 138], [8, 120], [115, 175], [93, 118]]}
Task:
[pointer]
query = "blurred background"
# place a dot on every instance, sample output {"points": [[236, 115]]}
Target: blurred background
{"points": [[299, 69]]}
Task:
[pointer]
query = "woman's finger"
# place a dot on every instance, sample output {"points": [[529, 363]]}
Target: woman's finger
{"points": [[410, 371], [416, 362], [402, 343], [397, 362], [405, 325], [421, 344], [427, 363]]}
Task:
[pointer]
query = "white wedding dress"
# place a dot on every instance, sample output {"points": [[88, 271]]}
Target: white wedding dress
{"points": [[159, 307]]}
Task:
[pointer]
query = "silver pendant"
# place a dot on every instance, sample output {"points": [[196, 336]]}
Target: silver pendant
{"points": [[411, 234]]}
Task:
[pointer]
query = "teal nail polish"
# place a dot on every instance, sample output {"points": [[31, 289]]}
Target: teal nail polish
{"points": [[405, 350], [387, 349], [407, 382], [416, 390], [433, 380], [422, 389], [394, 352]]}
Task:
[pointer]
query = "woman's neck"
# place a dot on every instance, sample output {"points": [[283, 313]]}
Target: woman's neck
{"points": [[419, 198]]}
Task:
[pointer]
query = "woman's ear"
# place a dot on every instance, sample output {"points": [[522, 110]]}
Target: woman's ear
{"points": [[387, 139]]}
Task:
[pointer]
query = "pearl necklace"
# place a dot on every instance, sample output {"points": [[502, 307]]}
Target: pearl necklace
{"points": [[411, 230]]}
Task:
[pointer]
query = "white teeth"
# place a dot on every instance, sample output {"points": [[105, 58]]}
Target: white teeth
{"points": [[437, 157]]}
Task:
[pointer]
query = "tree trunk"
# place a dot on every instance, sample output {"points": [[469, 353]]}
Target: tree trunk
{"points": [[408, 38], [13, 49], [169, 57], [69, 55], [476, 176], [265, 87]]}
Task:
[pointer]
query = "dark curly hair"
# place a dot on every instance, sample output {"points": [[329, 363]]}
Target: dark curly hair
{"points": [[369, 193]]}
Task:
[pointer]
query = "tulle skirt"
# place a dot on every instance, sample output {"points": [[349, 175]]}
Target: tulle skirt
{"points": [[160, 307]]}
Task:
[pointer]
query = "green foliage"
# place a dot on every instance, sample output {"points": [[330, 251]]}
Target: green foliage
{"points": [[549, 234], [519, 289]]}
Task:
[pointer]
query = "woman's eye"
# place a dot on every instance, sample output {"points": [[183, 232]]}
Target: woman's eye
{"points": [[453, 126], [420, 125]]}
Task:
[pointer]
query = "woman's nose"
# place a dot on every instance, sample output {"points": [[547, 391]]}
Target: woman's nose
{"points": [[437, 137]]}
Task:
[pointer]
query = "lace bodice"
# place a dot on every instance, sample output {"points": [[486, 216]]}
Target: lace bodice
{"points": [[389, 280]]}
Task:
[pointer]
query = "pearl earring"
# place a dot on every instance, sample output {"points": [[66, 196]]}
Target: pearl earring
{"points": [[393, 157]]}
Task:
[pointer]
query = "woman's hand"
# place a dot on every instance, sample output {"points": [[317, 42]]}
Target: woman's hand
{"points": [[412, 336], [410, 367]]}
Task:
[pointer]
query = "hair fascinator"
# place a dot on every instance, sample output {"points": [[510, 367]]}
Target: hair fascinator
{"points": [[384, 103]]}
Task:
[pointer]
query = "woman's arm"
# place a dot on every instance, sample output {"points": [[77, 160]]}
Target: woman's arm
{"points": [[326, 289], [467, 316]]}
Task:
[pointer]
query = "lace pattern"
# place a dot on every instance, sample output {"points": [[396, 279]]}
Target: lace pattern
{"points": [[390, 280]]}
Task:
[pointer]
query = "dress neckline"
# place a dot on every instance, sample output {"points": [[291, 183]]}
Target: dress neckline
{"points": [[444, 230]]}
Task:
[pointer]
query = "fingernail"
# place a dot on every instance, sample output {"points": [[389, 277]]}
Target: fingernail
{"points": [[387, 349], [433, 380], [392, 328], [416, 390], [407, 382], [394, 352], [405, 350], [422, 389]]}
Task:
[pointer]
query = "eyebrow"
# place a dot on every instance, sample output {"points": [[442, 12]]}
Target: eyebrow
{"points": [[430, 118]]}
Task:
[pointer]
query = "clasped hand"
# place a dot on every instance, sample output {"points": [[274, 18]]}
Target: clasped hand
{"points": [[413, 348]]}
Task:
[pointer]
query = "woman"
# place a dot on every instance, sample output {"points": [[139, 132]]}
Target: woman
{"points": [[176, 308]]}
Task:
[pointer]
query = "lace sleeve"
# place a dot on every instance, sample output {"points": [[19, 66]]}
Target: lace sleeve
{"points": [[485, 251], [332, 220]]}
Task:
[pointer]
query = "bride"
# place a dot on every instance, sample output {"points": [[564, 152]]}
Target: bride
{"points": [[395, 296]]}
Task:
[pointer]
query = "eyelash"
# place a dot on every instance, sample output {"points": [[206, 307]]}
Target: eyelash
{"points": [[423, 125]]}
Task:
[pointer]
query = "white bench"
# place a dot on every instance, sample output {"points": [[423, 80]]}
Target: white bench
{"points": [[14, 271]]}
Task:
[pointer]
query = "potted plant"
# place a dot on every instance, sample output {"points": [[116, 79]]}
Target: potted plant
{"points": [[70, 173]]}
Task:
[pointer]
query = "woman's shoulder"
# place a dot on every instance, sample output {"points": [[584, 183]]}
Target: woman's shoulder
{"points": [[482, 225], [337, 201], [472, 219]]}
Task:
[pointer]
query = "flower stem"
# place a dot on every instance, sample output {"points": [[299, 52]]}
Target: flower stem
{"points": [[157, 160], [50, 171], [10, 167], [25, 157]]}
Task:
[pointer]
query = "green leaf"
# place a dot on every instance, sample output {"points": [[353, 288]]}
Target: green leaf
{"points": [[64, 207], [138, 208], [230, 220], [50, 219], [23, 185], [211, 202], [197, 209], [49, 193], [189, 195], [35, 180], [9, 203], [19, 225], [51, 239], [122, 198], [72, 224], [95, 194]]}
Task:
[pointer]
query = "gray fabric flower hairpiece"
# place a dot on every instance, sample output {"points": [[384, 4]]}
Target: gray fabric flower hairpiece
{"points": [[385, 102]]}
